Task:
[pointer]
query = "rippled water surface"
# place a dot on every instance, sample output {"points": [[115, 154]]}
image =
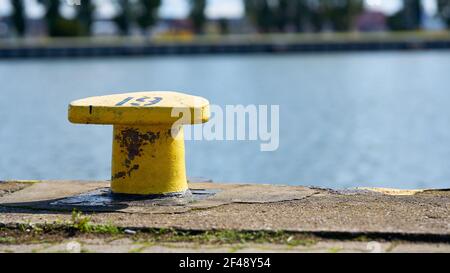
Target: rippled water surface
{"points": [[358, 119]]}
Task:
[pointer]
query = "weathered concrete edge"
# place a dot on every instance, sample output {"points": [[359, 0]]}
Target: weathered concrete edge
{"points": [[324, 235]]}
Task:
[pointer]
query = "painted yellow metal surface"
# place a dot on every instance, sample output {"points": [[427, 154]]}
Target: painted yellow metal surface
{"points": [[148, 155], [140, 108]]}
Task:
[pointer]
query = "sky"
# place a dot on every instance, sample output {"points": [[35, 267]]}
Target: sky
{"points": [[215, 8]]}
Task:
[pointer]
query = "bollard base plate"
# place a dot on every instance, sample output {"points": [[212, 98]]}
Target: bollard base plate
{"points": [[105, 198]]}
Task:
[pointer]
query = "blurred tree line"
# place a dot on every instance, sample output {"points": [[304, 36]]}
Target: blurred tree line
{"points": [[266, 15], [444, 11], [141, 12], [335, 15], [278, 16], [408, 18]]}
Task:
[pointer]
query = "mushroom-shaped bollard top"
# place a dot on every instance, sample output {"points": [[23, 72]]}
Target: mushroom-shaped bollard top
{"points": [[148, 139]]}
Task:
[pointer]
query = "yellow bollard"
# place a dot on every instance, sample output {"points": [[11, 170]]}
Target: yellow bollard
{"points": [[148, 138]]}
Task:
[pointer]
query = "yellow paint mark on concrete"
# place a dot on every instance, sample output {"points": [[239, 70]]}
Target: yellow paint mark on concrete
{"points": [[389, 191], [21, 181]]}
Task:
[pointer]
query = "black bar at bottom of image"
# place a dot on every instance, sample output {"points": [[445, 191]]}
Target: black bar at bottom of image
{"points": [[231, 262]]}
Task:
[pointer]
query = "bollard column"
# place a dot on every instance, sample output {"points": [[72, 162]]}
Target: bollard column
{"points": [[148, 155], [148, 160]]}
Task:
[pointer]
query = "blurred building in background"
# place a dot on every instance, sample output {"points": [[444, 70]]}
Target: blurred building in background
{"points": [[64, 18], [371, 21]]}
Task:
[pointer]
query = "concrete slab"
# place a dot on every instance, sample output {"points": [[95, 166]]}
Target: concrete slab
{"points": [[419, 217], [96, 196]]}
